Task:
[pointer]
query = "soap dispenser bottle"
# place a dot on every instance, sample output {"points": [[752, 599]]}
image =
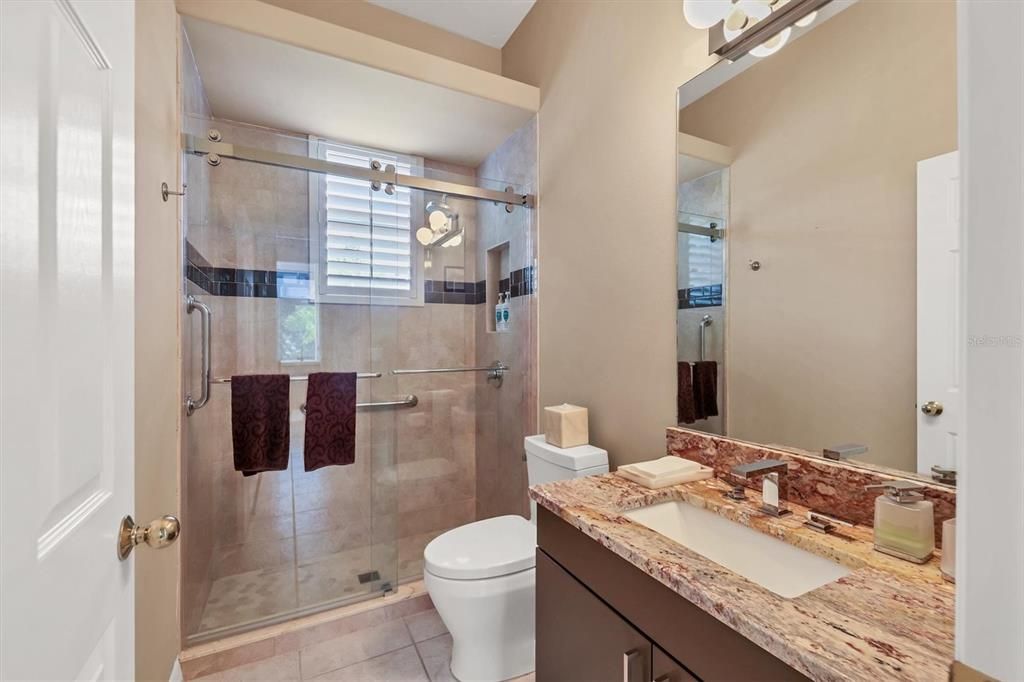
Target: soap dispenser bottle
{"points": [[497, 314], [904, 521]]}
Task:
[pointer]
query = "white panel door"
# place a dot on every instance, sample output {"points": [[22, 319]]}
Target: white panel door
{"points": [[939, 318], [67, 278]]}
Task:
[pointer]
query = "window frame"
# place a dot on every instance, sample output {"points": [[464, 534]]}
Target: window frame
{"points": [[324, 293]]}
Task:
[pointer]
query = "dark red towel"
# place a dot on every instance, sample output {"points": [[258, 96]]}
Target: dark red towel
{"points": [[685, 413], [330, 419], [705, 389], [259, 422]]}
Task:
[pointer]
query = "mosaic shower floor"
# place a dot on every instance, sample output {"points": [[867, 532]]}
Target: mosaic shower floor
{"points": [[253, 595]]}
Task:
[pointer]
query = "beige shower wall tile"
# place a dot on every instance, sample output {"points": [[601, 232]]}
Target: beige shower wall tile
{"points": [[444, 516]]}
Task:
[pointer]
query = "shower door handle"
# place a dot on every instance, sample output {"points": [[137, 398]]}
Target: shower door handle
{"points": [[191, 404], [704, 322]]}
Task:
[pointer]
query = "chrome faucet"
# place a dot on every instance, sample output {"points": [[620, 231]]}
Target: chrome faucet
{"points": [[774, 485]]}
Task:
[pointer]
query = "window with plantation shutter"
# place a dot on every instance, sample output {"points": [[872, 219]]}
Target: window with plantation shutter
{"points": [[704, 258], [363, 240]]}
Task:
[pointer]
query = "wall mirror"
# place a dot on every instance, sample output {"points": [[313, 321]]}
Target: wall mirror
{"points": [[818, 241]]}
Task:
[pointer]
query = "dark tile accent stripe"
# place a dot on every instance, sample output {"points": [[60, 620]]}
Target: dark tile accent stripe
{"points": [[700, 297], [275, 283]]}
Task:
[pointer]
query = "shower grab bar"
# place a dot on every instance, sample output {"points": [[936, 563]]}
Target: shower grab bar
{"points": [[192, 303], [495, 371], [405, 401], [303, 377], [704, 323]]}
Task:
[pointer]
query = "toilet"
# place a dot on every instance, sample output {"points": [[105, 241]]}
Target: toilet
{"points": [[481, 576]]}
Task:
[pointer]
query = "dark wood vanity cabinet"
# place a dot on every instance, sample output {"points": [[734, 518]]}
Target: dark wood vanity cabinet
{"points": [[590, 642], [600, 618]]}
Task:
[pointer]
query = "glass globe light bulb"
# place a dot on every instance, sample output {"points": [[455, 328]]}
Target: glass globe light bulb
{"points": [[437, 220], [705, 13], [773, 44], [807, 20], [424, 235], [753, 10]]}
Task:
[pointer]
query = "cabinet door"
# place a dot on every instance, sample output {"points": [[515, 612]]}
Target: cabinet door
{"points": [[665, 668], [581, 639]]}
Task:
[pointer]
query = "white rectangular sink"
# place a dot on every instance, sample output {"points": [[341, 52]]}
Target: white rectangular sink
{"points": [[771, 563]]}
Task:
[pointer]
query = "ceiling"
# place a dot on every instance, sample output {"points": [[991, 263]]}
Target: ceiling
{"points": [[252, 79], [490, 22]]}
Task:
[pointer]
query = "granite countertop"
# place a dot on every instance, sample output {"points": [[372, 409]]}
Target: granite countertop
{"points": [[888, 619]]}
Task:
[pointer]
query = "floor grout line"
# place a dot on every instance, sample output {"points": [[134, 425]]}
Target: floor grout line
{"points": [[416, 648]]}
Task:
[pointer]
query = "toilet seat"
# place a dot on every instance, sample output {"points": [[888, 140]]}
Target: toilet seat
{"points": [[483, 549]]}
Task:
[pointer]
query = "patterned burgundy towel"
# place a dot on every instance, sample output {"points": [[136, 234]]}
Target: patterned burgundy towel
{"points": [[705, 389], [259, 422], [330, 419], [685, 411]]}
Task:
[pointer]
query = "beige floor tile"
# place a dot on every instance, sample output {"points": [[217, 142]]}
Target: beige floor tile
{"points": [[283, 668], [353, 648], [398, 666], [425, 625], [436, 654]]}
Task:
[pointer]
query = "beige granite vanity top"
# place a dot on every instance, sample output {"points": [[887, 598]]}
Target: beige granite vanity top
{"points": [[887, 620]]}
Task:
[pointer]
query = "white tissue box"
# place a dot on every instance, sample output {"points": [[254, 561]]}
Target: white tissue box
{"points": [[566, 426]]}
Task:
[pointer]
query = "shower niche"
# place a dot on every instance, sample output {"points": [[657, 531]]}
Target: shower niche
{"points": [[309, 250]]}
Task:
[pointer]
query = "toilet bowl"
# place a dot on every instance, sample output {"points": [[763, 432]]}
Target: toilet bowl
{"points": [[481, 576]]}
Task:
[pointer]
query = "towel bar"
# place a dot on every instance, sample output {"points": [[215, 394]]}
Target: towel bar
{"points": [[360, 375], [495, 371]]}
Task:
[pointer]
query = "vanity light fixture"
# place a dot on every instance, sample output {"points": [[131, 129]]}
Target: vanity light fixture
{"points": [[756, 27], [442, 228]]}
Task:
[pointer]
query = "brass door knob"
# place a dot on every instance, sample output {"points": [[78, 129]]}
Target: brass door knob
{"points": [[932, 408], [157, 534]]}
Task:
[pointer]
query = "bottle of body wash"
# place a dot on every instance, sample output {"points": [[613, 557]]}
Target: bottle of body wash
{"points": [[904, 521], [506, 312], [497, 314]]}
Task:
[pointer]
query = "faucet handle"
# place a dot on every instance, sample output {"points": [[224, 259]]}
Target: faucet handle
{"points": [[823, 523], [900, 491]]}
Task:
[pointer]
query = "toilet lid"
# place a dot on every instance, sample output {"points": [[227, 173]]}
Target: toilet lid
{"points": [[483, 549]]}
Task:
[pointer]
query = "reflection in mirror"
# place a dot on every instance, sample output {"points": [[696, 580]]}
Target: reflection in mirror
{"points": [[818, 241]]}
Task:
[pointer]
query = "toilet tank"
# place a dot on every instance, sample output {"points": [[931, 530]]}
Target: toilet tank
{"points": [[546, 462]]}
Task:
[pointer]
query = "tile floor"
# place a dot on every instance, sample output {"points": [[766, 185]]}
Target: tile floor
{"points": [[416, 648]]}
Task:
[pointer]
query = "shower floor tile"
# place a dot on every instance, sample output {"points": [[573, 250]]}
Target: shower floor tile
{"points": [[248, 596]]}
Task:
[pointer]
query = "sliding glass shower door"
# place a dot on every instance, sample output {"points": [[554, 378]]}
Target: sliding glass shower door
{"points": [[300, 272]]}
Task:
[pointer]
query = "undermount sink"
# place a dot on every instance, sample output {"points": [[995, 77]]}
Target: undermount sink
{"points": [[771, 563]]}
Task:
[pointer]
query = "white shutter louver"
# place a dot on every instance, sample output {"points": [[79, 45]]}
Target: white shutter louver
{"points": [[704, 257], [367, 246]]}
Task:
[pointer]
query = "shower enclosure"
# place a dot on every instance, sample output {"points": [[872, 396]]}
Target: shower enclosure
{"points": [[300, 259], [702, 209]]}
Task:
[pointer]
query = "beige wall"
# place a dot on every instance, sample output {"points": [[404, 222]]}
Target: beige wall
{"points": [[608, 73], [826, 136], [157, 306], [383, 23]]}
